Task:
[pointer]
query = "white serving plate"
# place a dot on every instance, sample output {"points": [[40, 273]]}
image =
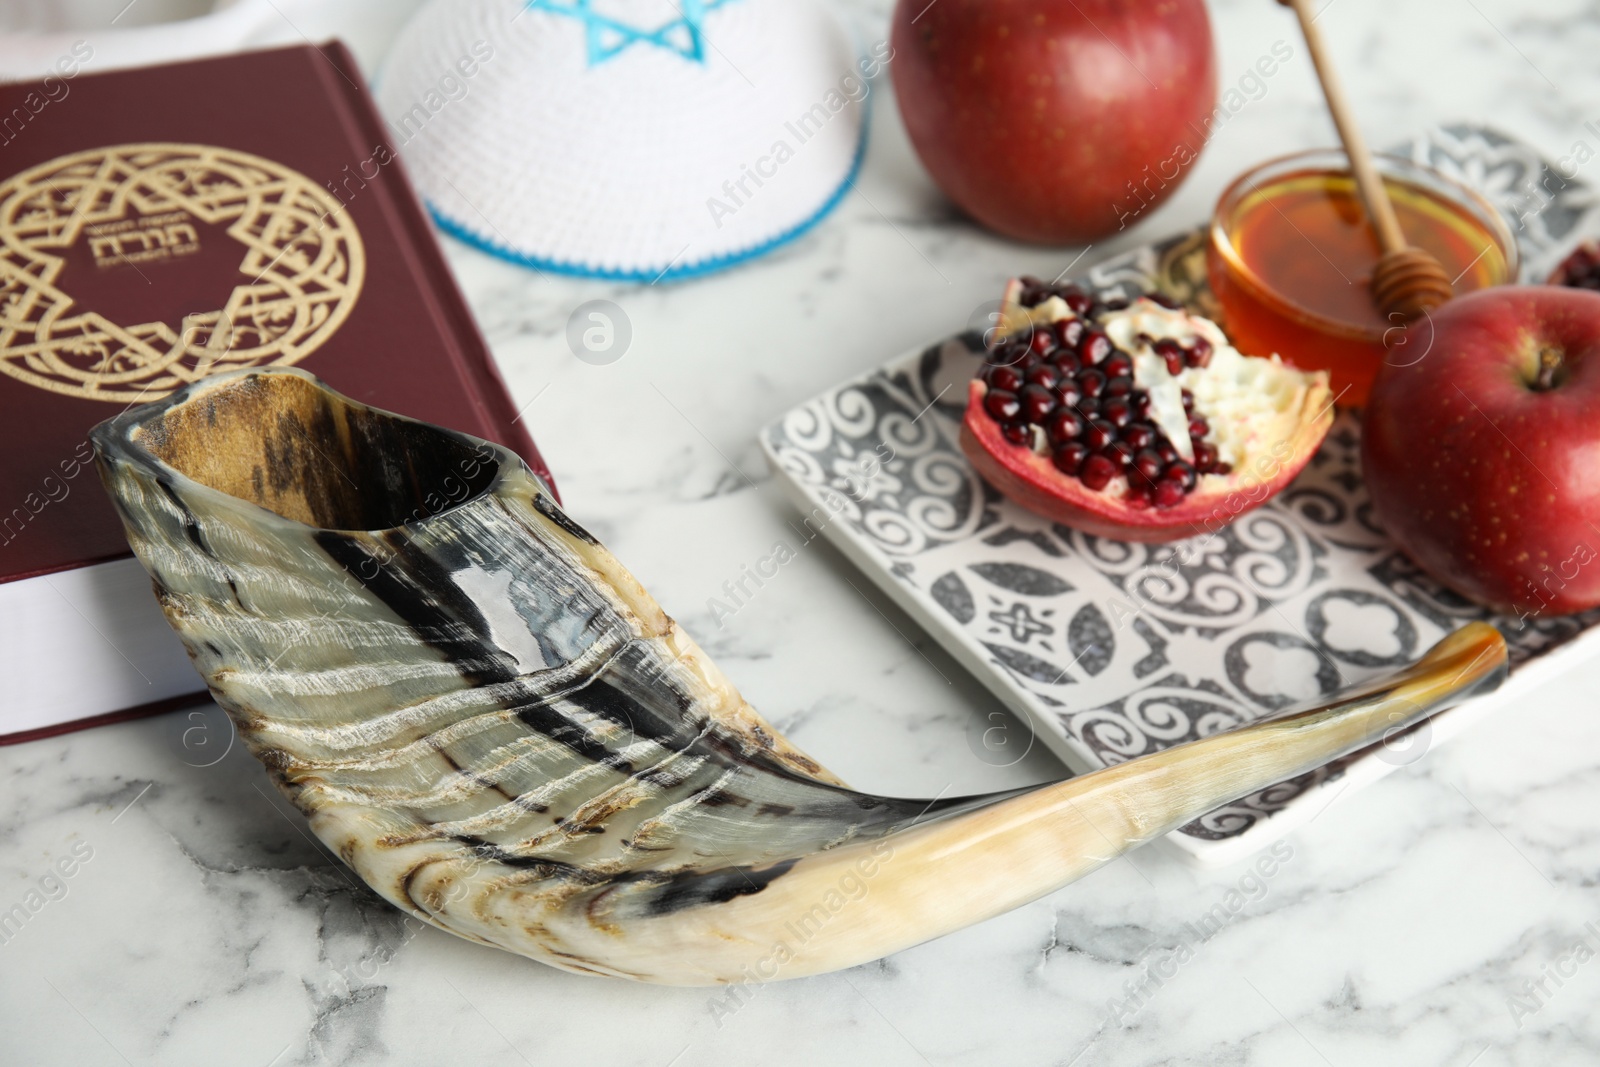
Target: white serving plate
{"points": [[1109, 650]]}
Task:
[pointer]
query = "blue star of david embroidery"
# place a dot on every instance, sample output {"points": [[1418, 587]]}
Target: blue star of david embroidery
{"points": [[606, 36]]}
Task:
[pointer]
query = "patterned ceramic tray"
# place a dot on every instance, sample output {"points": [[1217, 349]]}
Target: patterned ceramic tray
{"points": [[1110, 650]]}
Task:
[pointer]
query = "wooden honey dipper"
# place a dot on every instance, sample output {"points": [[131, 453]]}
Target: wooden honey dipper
{"points": [[1407, 280]]}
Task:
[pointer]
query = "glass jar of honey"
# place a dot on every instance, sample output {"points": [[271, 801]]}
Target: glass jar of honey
{"points": [[1291, 254]]}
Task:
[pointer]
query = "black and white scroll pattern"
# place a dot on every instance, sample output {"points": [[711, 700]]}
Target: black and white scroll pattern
{"points": [[1125, 648]]}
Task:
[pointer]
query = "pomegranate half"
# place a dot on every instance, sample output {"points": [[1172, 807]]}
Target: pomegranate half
{"points": [[1134, 420]]}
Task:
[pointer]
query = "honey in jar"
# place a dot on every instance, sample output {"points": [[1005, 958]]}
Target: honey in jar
{"points": [[1291, 255]]}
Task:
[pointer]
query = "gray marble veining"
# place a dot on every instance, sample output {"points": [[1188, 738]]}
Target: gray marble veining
{"points": [[1424, 921]]}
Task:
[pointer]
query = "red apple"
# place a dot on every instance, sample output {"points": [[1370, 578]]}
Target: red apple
{"points": [[1481, 447], [1055, 121]]}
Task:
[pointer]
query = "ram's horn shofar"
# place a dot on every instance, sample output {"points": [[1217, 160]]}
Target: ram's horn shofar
{"points": [[481, 712]]}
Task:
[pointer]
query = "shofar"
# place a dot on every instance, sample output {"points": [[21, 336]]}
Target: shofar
{"points": [[481, 712]]}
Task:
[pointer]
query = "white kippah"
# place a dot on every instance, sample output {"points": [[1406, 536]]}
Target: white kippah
{"points": [[631, 139]]}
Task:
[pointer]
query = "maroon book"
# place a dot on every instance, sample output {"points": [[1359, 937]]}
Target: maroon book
{"points": [[158, 225]]}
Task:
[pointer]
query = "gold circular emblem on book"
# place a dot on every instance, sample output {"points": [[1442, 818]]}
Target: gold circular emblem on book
{"points": [[98, 227]]}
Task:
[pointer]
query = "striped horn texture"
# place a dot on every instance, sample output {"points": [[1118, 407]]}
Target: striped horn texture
{"points": [[483, 713]]}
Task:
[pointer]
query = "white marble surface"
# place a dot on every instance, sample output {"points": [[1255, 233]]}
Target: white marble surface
{"points": [[207, 927]]}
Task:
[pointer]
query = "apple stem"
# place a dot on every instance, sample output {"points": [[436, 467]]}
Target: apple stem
{"points": [[1549, 364]]}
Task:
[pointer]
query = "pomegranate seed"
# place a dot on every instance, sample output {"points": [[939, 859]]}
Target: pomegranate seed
{"points": [[1099, 433], [1088, 407], [1141, 405], [1167, 494], [1188, 402], [1037, 403], [1118, 365], [1140, 435], [1008, 354], [1205, 457], [1199, 427], [1580, 270], [1165, 450], [1033, 291], [1028, 358], [1117, 411], [1171, 353], [1138, 497], [1069, 332], [1119, 386], [1147, 463], [1043, 341], [1091, 382], [1095, 347], [1017, 433], [1077, 300], [1064, 426], [1066, 362], [1116, 304], [1067, 393], [1119, 452], [1179, 472], [1002, 405], [1220, 467], [1070, 456], [1007, 378], [1097, 472], [1043, 374], [1199, 355]]}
